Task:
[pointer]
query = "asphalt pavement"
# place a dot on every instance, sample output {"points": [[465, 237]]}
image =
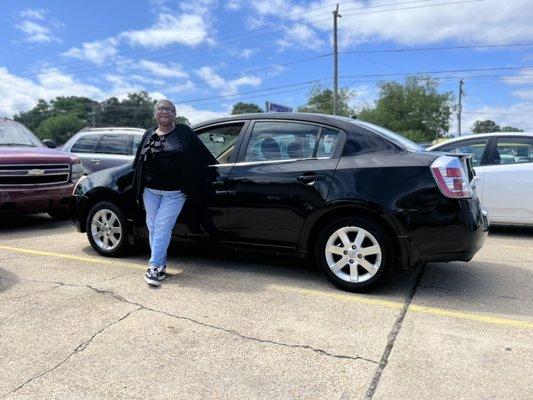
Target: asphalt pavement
{"points": [[74, 325]]}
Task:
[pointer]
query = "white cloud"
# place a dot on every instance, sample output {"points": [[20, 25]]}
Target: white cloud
{"points": [[234, 4], [226, 87], [35, 32], [519, 115], [195, 115], [147, 80], [524, 94], [524, 77], [35, 14], [163, 70], [490, 21], [34, 27], [300, 36], [188, 29], [181, 88], [20, 94], [247, 53], [96, 52]]}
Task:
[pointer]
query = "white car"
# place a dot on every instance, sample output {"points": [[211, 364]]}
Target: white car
{"points": [[504, 167]]}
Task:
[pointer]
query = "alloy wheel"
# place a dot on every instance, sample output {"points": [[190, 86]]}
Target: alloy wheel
{"points": [[353, 254], [106, 229]]}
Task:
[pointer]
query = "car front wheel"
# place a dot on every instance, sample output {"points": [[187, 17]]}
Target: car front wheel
{"points": [[106, 229], [356, 254]]}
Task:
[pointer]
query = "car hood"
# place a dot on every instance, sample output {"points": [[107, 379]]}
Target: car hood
{"points": [[34, 155]]}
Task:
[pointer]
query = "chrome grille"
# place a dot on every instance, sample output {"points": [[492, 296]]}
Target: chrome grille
{"points": [[34, 174]]}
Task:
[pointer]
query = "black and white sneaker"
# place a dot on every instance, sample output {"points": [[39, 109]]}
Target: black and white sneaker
{"points": [[151, 276], [162, 273]]}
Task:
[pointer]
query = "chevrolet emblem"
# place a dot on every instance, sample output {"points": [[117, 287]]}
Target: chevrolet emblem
{"points": [[35, 172]]}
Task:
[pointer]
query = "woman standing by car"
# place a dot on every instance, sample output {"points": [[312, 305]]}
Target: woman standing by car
{"points": [[170, 174]]}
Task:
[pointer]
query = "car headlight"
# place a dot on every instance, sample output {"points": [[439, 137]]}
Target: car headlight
{"points": [[76, 171]]}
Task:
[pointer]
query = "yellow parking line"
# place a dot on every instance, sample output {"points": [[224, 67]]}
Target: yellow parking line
{"points": [[515, 323], [441, 312], [94, 260]]}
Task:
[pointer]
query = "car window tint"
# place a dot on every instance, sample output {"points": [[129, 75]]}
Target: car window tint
{"points": [[475, 147], [220, 140], [137, 139], [85, 144], [326, 144], [281, 141], [513, 151], [115, 144]]}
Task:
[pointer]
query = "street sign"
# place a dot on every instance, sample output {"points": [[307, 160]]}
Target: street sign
{"points": [[273, 107]]}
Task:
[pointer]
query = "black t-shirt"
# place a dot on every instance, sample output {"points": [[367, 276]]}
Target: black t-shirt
{"points": [[163, 169]]}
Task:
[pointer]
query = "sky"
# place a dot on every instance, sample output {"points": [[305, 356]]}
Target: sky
{"points": [[206, 55]]}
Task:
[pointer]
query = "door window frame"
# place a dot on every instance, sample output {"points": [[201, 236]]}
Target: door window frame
{"points": [[486, 153], [494, 148], [337, 151], [99, 135], [236, 147]]}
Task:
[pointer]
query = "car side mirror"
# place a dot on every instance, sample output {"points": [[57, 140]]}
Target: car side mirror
{"points": [[50, 143]]}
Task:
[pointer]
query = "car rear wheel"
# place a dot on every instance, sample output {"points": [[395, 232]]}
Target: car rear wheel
{"points": [[356, 254], [106, 229]]}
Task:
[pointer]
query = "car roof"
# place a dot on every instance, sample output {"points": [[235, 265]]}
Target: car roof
{"points": [[111, 129], [480, 136], [292, 116]]}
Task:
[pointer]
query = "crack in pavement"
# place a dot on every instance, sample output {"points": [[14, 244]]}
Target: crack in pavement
{"points": [[232, 331], [78, 349], [81, 347], [393, 334], [465, 291], [211, 326]]}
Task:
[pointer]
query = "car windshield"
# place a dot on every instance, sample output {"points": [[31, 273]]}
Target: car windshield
{"points": [[392, 136], [17, 136]]}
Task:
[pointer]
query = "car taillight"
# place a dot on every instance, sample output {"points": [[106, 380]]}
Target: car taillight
{"points": [[451, 177]]}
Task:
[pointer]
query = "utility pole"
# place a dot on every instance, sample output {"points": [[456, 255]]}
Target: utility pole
{"points": [[93, 115], [336, 15], [460, 106]]}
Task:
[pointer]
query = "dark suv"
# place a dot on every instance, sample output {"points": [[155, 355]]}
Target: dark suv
{"points": [[33, 177], [357, 198]]}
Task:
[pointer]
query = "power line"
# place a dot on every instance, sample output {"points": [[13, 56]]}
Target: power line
{"points": [[240, 36], [438, 48]]}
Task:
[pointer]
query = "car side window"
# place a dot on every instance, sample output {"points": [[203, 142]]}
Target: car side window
{"points": [[271, 141], [115, 144], [220, 140], [327, 142], [513, 150], [476, 147], [85, 144]]}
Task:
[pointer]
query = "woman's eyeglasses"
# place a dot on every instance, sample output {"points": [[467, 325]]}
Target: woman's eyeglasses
{"points": [[168, 110]]}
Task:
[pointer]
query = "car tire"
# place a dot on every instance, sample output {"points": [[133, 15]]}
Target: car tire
{"points": [[355, 269], [106, 229]]}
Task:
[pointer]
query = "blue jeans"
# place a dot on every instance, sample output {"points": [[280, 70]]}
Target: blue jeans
{"points": [[162, 210]]}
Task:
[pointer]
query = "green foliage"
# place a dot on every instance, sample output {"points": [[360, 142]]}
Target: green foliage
{"points": [[59, 127], [245, 108], [489, 126], [182, 120], [321, 101], [485, 127], [414, 108], [511, 129], [136, 111]]}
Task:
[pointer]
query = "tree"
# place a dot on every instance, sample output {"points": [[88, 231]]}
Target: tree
{"points": [[245, 108], [32, 118], [59, 127], [511, 129], [414, 108], [485, 127], [321, 101]]}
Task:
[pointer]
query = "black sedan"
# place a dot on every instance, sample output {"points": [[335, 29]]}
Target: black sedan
{"points": [[355, 197]]}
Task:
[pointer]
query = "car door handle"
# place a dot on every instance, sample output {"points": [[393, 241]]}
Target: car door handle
{"points": [[306, 179], [95, 161], [219, 183]]}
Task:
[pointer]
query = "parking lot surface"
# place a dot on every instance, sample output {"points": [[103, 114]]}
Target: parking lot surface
{"points": [[74, 325]]}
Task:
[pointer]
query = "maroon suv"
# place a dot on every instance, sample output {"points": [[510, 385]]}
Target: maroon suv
{"points": [[33, 177]]}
